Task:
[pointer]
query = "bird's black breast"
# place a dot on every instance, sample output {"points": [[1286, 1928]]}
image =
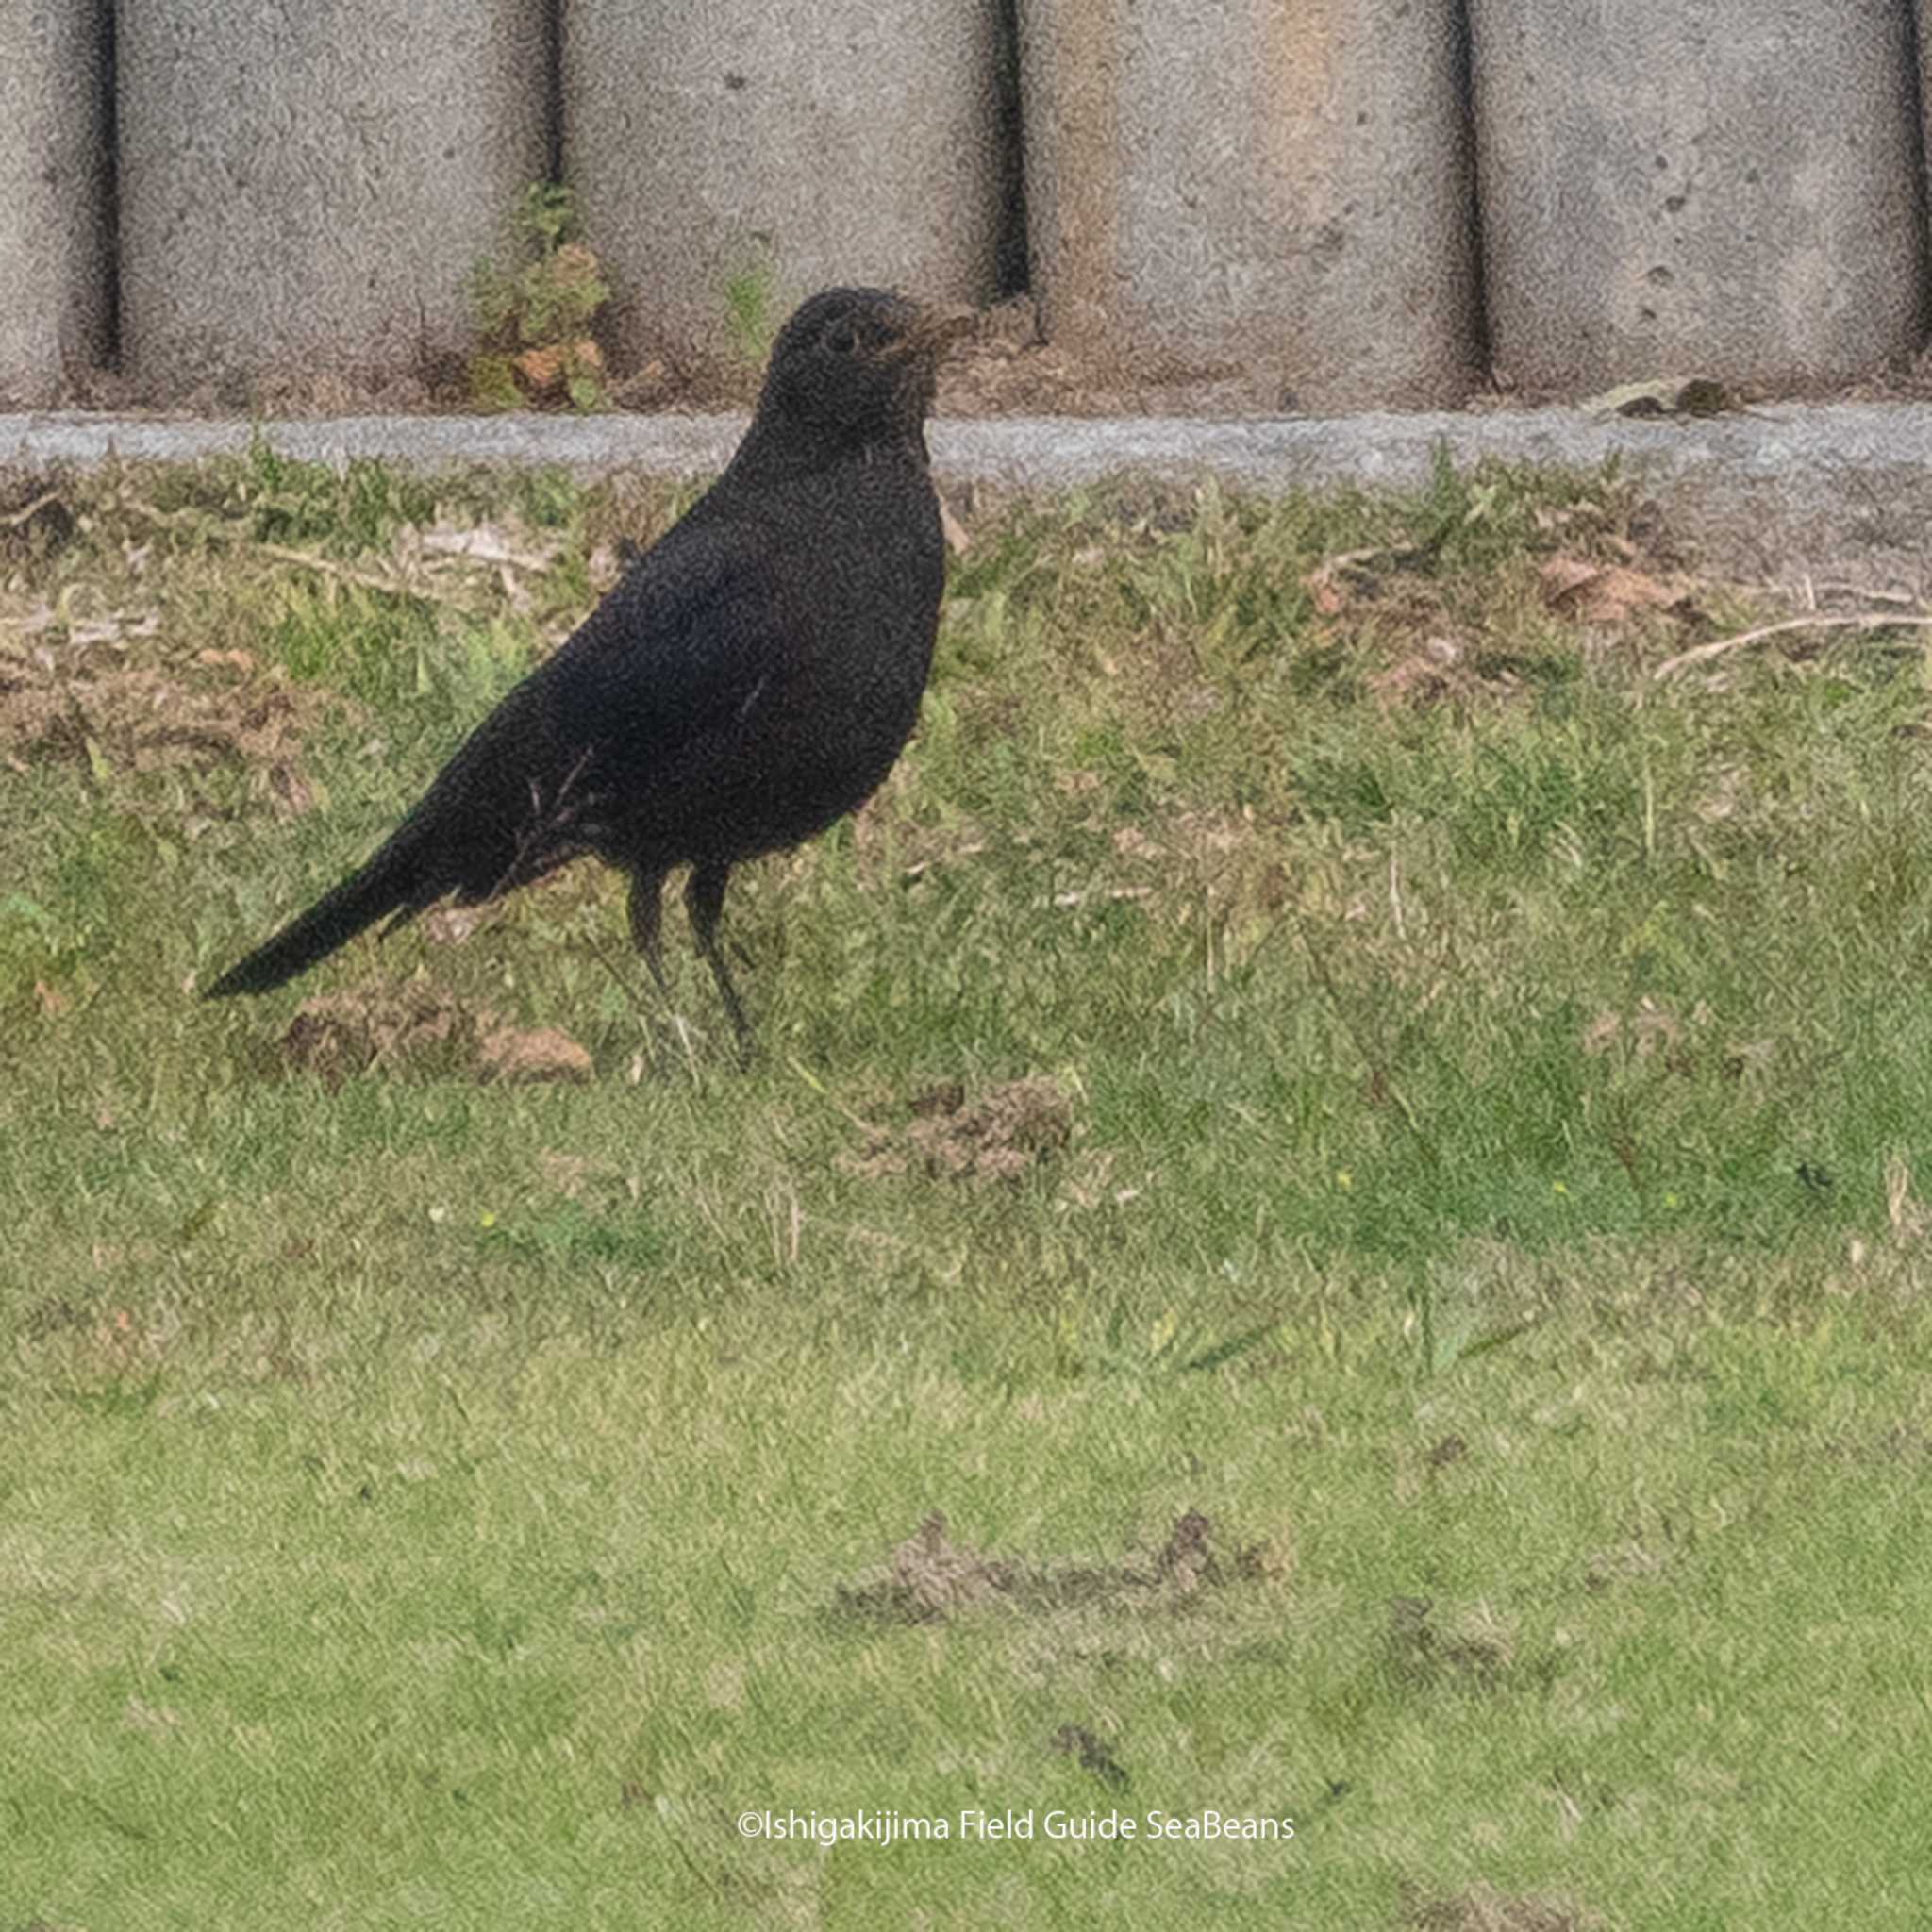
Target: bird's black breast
{"points": [[823, 654]]}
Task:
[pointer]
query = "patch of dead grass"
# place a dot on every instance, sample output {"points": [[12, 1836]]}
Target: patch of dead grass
{"points": [[1473, 1651], [1437, 671], [1000, 1136], [1235, 858], [1624, 1562], [141, 718]]}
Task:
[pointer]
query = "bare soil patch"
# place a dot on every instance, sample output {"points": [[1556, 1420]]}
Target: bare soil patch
{"points": [[1487, 1910], [932, 1578]]}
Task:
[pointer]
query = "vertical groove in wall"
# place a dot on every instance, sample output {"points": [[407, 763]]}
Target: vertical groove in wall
{"points": [[110, 188], [1913, 40], [1478, 265], [553, 89], [1012, 275]]}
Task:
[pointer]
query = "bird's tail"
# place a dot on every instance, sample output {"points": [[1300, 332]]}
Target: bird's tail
{"points": [[389, 883]]}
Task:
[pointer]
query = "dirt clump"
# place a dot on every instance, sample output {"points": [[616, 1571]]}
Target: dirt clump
{"points": [[417, 1028], [536, 1054]]}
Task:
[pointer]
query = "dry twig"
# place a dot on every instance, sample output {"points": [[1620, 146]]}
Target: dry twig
{"points": [[14, 519], [1718, 647]]}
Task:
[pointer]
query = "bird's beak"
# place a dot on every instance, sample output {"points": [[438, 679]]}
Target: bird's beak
{"points": [[936, 328]]}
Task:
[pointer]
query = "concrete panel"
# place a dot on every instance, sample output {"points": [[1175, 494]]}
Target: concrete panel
{"points": [[1279, 190], [1730, 188], [306, 185], [756, 150], [54, 184]]}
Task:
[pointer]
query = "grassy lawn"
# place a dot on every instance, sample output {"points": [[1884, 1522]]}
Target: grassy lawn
{"points": [[1363, 1151]]}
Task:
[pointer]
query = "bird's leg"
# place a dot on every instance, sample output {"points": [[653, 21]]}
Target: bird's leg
{"points": [[704, 898], [646, 904]]}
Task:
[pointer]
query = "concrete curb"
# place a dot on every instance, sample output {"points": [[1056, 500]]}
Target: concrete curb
{"points": [[1781, 487]]}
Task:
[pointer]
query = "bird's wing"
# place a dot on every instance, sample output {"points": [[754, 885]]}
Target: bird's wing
{"points": [[686, 641], [679, 646]]}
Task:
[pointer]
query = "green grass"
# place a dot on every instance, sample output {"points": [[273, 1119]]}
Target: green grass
{"points": [[1500, 1098]]}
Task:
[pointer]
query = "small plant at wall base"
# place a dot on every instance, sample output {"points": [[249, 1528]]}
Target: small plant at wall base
{"points": [[750, 298], [534, 317]]}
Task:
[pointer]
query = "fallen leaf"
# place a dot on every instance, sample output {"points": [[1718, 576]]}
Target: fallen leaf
{"points": [[1329, 584], [1668, 395], [545, 368]]}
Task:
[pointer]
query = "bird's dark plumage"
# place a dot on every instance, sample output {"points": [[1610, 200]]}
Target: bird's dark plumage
{"points": [[752, 678]]}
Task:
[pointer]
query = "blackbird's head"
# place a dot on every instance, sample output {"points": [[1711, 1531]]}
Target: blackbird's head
{"points": [[858, 365]]}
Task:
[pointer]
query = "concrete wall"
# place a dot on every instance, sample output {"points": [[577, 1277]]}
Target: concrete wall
{"points": [[304, 184], [1278, 190], [55, 262], [1730, 188], [780, 145]]}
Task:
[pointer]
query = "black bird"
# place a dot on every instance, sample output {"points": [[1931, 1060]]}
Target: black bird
{"points": [[752, 678]]}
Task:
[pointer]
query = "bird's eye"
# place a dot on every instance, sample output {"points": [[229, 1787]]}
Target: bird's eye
{"points": [[842, 340]]}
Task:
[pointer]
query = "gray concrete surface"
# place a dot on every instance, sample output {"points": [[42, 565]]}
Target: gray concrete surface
{"points": [[1282, 190], [1263, 201], [781, 148], [1727, 188], [54, 242], [307, 187], [1775, 492]]}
